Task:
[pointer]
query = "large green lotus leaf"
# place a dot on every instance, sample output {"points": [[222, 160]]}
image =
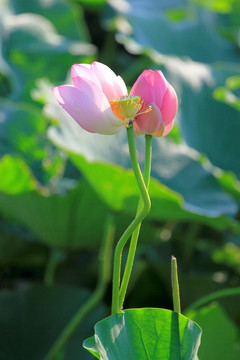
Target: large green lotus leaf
{"points": [[16, 247], [230, 182], [199, 194], [67, 18], [139, 334], [146, 26], [221, 6], [64, 219], [27, 36], [22, 130], [208, 125], [229, 93], [220, 334], [72, 220], [17, 176], [31, 320], [117, 187], [23, 134], [93, 4], [60, 220]]}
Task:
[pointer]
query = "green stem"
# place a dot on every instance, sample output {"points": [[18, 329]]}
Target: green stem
{"points": [[135, 234], [138, 219], [212, 297], [175, 286], [56, 257], [104, 277]]}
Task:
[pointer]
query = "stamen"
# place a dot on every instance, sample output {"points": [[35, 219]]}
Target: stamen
{"points": [[126, 108], [147, 110]]}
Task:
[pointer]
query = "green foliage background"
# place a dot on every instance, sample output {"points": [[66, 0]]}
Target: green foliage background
{"points": [[58, 183]]}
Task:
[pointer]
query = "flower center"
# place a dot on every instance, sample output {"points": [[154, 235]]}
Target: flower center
{"points": [[126, 108]]}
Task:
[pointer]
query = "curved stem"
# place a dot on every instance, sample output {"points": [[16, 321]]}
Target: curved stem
{"points": [[55, 258], [138, 219], [105, 271], [212, 297], [135, 234]]}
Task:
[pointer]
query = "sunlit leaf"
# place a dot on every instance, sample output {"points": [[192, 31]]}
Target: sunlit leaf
{"points": [[117, 187], [36, 28], [222, 6], [17, 176], [145, 333], [198, 193], [227, 94], [146, 26], [208, 125], [23, 134]]}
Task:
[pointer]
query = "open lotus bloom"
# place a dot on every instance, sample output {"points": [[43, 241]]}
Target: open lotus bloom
{"points": [[99, 102]]}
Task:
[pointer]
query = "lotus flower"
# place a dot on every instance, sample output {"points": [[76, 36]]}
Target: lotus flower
{"points": [[88, 99], [156, 92], [99, 102]]}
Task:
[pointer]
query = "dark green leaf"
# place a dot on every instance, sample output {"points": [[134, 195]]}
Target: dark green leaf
{"points": [[220, 334], [32, 319], [18, 248], [64, 221]]}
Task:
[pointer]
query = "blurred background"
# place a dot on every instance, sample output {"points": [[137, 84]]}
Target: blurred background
{"points": [[58, 184]]}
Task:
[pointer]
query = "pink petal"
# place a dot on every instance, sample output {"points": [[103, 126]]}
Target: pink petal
{"points": [[113, 86], [164, 130], [152, 86], [86, 112], [93, 91], [136, 129], [82, 72], [168, 128], [160, 86], [149, 122], [143, 88], [169, 105]]}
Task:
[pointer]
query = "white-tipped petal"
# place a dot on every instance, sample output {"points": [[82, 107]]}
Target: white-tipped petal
{"points": [[86, 112], [113, 86]]}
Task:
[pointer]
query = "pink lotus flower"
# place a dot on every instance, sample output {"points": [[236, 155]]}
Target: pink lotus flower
{"points": [[99, 102], [88, 99], [155, 91]]}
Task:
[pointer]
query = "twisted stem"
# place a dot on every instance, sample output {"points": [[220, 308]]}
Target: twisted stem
{"points": [[134, 224], [135, 234]]}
